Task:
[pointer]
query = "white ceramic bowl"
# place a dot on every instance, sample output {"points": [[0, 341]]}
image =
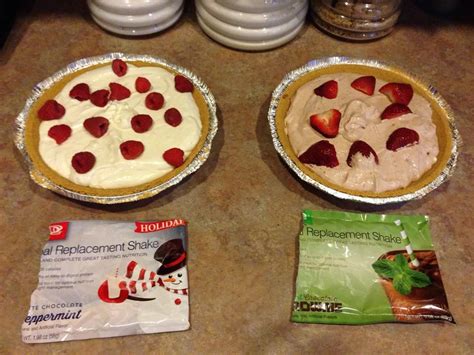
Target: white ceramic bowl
{"points": [[271, 17], [246, 45], [138, 31], [133, 7], [250, 34], [251, 25], [149, 19], [255, 6], [158, 15]]}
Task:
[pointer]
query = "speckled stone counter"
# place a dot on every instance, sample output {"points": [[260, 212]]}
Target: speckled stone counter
{"points": [[243, 205]]}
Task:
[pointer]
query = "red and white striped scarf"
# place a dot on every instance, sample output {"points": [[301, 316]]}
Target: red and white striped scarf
{"points": [[144, 280]]}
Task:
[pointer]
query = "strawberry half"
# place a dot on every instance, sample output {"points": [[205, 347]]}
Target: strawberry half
{"points": [[326, 123], [118, 92], [80, 92], [60, 133], [131, 149], [395, 110], [402, 137], [154, 101], [328, 89], [83, 162], [398, 92], [365, 84], [182, 84], [362, 148], [141, 123], [100, 97], [174, 157], [119, 67], [51, 110], [97, 126], [173, 117], [142, 85], [321, 153]]}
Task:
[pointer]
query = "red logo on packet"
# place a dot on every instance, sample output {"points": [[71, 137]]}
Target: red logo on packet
{"points": [[58, 231], [148, 227]]}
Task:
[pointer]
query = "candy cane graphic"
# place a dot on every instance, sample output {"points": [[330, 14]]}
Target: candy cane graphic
{"points": [[113, 290], [408, 247]]}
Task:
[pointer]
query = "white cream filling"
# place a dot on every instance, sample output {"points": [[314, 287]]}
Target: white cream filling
{"points": [[111, 170], [360, 120]]}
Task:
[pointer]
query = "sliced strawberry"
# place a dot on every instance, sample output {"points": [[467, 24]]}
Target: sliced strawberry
{"points": [[402, 137], [173, 117], [142, 84], [154, 101], [141, 123], [362, 148], [395, 110], [100, 97], [398, 92], [182, 84], [326, 123], [60, 133], [83, 162], [365, 84], [119, 67], [321, 153], [80, 92], [51, 110], [131, 149], [97, 126], [174, 157], [118, 92], [327, 90]]}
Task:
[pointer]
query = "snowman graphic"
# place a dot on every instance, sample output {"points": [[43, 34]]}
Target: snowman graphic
{"points": [[168, 284]]}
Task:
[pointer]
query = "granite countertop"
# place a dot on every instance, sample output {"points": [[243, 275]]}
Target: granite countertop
{"points": [[244, 205]]}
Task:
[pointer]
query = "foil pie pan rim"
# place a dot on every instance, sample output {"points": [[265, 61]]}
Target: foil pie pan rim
{"points": [[324, 62], [40, 179]]}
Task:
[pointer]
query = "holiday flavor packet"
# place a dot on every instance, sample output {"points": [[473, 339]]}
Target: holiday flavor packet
{"points": [[357, 268], [104, 279]]}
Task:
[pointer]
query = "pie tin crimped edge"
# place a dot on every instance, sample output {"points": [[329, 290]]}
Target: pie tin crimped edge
{"points": [[320, 63], [39, 89]]}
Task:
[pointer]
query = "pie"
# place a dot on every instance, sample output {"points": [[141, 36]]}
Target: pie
{"points": [[363, 131], [117, 128]]}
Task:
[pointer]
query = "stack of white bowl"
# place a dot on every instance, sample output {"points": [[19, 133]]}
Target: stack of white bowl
{"points": [[251, 25], [135, 17]]}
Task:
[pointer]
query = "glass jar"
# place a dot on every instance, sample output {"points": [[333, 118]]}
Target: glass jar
{"points": [[356, 19]]}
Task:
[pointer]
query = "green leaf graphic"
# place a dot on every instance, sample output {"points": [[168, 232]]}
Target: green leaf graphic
{"points": [[404, 278], [385, 268], [401, 261], [419, 279], [402, 283]]}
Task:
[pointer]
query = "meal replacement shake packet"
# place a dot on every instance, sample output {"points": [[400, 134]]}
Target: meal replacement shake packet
{"points": [[357, 268], [104, 279]]}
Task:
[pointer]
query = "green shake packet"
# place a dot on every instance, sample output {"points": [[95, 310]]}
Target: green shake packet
{"points": [[357, 268]]}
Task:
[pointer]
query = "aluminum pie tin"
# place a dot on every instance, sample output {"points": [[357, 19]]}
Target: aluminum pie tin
{"points": [[443, 168], [41, 179]]}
